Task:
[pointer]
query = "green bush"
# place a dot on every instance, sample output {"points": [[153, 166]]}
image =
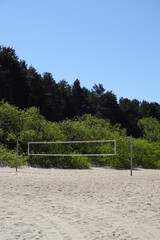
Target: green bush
{"points": [[10, 125], [8, 157], [145, 154], [30, 125], [80, 163]]}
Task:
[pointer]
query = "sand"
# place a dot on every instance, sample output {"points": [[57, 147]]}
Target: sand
{"points": [[79, 204]]}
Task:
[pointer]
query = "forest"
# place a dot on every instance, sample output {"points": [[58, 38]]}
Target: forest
{"points": [[35, 107], [24, 87]]}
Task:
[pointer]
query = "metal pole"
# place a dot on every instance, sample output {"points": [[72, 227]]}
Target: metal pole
{"points": [[17, 157], [131, 154], [28, 148], [115, 147]]}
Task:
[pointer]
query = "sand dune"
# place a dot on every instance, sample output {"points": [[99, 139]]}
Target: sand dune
{"points": [[79, 204]]}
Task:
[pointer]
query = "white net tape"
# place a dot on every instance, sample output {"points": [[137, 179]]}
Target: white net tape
{"points": [[70, 154]]}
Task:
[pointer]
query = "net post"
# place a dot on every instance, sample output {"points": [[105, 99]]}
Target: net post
{"points": [[115, 147], [17, 156], [131, 155], [28, 149]]}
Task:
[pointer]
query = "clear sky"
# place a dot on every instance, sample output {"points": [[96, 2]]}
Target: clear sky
{"points": [[113, 42]]}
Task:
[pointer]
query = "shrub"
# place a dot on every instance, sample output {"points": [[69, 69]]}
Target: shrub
{"points": [[144, 154], [80, 162], [8, 157]]}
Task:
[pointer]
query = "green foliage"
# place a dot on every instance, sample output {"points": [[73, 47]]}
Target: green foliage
{"points": [[8, 157], [30, 125], [24, 87], [122, 158], [80, 163], [9, 124], [150, 128], [35, 95], [34, 127], [145, 154]]}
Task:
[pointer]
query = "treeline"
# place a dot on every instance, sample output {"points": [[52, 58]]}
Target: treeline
{"points": [[24, 87], [30, 125]]}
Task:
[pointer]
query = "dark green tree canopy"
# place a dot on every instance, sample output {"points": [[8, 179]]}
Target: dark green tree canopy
{"points": [[24, 87]]}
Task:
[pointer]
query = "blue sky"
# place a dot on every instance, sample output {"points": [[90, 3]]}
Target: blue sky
{"points": [[113, 42]]}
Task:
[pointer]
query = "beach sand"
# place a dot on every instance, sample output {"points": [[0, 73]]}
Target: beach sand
{"points": [[90, 204]]}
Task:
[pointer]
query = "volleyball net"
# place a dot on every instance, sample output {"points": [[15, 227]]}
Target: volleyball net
{"points": [[73, 148], [116, 153]]}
